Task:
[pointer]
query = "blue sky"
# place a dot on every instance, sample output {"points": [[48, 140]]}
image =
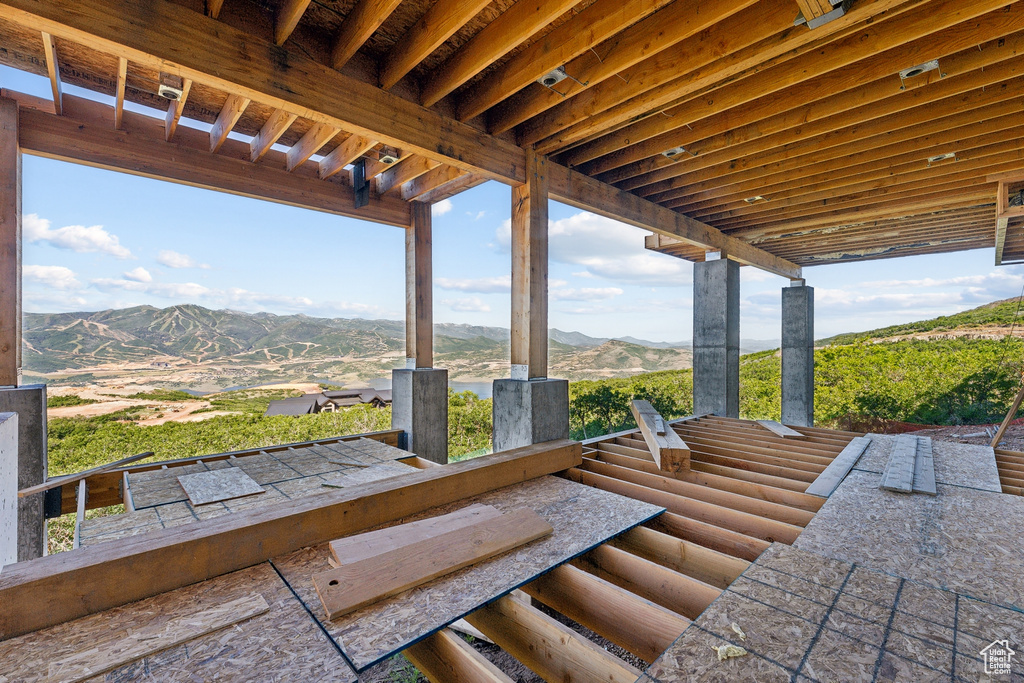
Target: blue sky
{"points": [[96, 239]]}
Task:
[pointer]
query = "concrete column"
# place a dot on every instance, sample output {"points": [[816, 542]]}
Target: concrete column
{"points": [[716, 338], [798, 355], [29, 402], [529, 407], [8, 488], [419, 397]]}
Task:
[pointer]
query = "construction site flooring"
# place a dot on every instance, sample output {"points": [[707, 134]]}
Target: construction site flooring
{"points": [[880, 586]]}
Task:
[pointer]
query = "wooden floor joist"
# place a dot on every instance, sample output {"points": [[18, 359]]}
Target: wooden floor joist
{"points": [[446, 658]]}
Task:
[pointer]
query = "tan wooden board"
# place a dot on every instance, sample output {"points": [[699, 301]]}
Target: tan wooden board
{"points": [[217, 485], [358, 584], [361, 546], [283, 643], [151, 639], [669, 450], [583, 517], [780, 429]]}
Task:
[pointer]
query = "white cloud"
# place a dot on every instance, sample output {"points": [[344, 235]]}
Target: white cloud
{"points": [[169, 290], [139, 274], [480, 285], [57, 277], [442, 207], [173, 259], [608, 249], [467, 305], [238, 296], [77, 238], [476, 216], [584, 294]]}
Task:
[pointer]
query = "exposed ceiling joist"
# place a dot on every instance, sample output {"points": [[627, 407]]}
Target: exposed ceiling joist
{"points": [[229, 114], [344, 154], [429, 182], [316, 137], [288, 15], [359, 24], [271, 132], [122, 79], [175, 109]]}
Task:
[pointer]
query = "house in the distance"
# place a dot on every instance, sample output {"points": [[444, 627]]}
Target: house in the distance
{"points": [[329, 401]]}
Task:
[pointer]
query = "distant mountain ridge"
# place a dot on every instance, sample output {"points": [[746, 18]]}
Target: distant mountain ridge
{"points": [[302, 345]]}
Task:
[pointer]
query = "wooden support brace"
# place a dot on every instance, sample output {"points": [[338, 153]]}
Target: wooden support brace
{"points": [[669, 451]]}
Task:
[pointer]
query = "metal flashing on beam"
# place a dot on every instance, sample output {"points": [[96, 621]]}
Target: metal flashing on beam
{"points": [[841, 7], [360, 184]]}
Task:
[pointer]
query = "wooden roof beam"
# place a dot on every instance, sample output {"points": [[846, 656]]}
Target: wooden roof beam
{"points": [[213, 8], [288, 16], [226, 120], [344, 154], [122, 79], [576, 189], [318, 135], [658, 32], [360, 23], [411, 168], [279, 122], [164, 35], [594, 24], [444, 18], [53, 70], [854, 61], [448, 189], [175, 109], [429, 182], [84, 135], [507, 31]]}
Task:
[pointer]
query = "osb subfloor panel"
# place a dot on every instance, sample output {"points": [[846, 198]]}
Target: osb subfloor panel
{"points": [[583, 517], [958, 464], [161, 502], [963, 539], [809, 618], [283, 644]]}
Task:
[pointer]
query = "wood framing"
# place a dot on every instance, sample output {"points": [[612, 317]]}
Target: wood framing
{"points": [[10, 244], [233, 109], [53, 70], [669, 451], [419, 284], [57, 588], [529, 347]]}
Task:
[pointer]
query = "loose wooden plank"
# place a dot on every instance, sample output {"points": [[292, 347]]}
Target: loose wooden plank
{"points": [[924, 467], [151, 639], [362, 546], [57, 588], [829, 480], [362, 583], [217, 485], [669, 451], [72, 478], [780, 429], [899, 471]]}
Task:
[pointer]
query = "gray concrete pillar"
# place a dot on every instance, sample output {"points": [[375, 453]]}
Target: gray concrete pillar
{"points": [[526, 412], [29, 402], [798, 355], [419, 407], [8, 488], [716, 338]]}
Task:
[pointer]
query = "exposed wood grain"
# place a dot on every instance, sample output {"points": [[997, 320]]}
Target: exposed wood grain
{"points": [[419, 286], [529, 346], [670, 452], [229, 115], [446, 658], [349, 587], [61, 587], [10, 244], [272, 130], [359, 25], [122, 77], [288, 16], [174, 110], [309, 144], [344, 154], [53, 70]]}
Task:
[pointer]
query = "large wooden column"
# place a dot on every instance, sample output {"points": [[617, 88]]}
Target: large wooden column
{"points": [[419, 404], [529, 407], [10, 245], [419, 291], [530, 272], [29, 402]]}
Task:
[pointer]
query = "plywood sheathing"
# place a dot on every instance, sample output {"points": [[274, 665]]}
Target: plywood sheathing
{"points": [[808, 617], [582, 517], [964, 539], [282, 644], [958, 464]]}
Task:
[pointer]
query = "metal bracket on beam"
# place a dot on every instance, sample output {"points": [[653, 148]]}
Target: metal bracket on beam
{"points": [[840, 9], [360, 183], [52, 505]]}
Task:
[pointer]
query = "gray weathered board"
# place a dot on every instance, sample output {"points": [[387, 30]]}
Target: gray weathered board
{"points": [[217, 485], [582, 517], [780, 429], [833, 475], [924, 468], [910, 468], [369, 474]]}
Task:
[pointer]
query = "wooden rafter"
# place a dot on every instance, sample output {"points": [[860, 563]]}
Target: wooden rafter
{"points": [[444, 18], [175, 109], [447, 189], [53, 70], [288, 16], [512, 27], [271, 132], [232, 110], [344, 154], [404, 171], [309, 144], [213, 8], [358, 26], [122, 79], [84, 135], [430, 181]]}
